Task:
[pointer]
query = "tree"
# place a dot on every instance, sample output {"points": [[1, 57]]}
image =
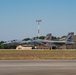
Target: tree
{"points": [[1, 42], [54, 38], [26, 39], [41, 37], [63, 37], [7, 46]]}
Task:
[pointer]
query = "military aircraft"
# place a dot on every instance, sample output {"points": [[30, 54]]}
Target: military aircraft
{"points": [[13, 42], [55, 44], [36, 41], [29, 42], [45, 42]]}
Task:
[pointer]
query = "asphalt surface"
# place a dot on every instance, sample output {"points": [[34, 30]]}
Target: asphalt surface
{"points": [[39, 67]]}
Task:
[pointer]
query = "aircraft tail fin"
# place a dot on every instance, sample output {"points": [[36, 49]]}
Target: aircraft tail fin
{"points": [[70, 37], [48, 36]]}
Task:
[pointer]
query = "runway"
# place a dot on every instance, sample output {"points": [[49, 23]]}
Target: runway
{"points": [[38, 67]]}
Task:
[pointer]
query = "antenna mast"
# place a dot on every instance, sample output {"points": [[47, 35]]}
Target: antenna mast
{"points": [[38, 27]]}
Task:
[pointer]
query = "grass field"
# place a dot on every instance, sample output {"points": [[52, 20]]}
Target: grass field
{"points": [[37, 54]]}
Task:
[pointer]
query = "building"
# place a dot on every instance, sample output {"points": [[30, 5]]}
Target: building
{"points": [[23, 47]]}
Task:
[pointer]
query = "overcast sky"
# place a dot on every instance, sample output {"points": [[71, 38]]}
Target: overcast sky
{"points": [[18, 18]]}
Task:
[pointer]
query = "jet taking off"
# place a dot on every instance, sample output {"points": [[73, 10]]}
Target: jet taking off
{"points": [[51, 43]]}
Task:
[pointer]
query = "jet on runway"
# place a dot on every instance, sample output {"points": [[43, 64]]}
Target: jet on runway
{"points": [[51, 43]]}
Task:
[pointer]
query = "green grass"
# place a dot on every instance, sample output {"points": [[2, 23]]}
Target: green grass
{"points": [[37, 54]]}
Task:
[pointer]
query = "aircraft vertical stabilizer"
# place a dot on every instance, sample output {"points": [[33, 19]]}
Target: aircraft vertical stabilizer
{"points": [[69, 37], [48, 36]]}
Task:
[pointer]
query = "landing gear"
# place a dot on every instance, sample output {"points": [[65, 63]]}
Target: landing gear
{"points": [[33, 47], [52, 48]]}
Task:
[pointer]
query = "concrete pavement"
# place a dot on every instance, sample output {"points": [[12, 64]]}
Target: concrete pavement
{"points": [[39, 67]]}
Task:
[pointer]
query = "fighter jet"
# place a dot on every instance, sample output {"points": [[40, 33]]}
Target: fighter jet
{"points": [[14, 42], [51, 43]]}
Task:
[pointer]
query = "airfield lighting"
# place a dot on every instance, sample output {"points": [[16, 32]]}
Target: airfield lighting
{"points": [[38, 21]]}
